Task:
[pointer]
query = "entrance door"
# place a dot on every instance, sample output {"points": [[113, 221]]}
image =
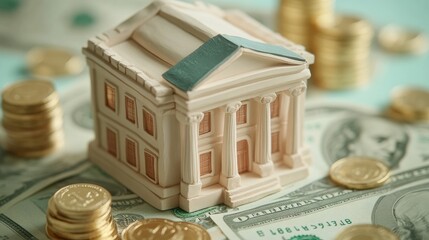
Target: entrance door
{"points": [[242, 156]]}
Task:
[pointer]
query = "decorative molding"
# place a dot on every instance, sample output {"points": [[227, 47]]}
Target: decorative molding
{"points": [[297, 90], [266, 99], [233, 107], [190, 117]]}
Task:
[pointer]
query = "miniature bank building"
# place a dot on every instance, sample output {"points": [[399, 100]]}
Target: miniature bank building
{"points": [[195, 106]]}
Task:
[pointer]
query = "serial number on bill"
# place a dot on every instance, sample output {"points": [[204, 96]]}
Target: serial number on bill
{"points": [[303, 228]]}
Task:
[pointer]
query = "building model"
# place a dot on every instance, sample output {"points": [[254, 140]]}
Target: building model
{"points": [[195, 106]]}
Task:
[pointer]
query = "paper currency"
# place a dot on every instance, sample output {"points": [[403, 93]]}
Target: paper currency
{"points": [[320, 209], [19, 178], [126, 209]]}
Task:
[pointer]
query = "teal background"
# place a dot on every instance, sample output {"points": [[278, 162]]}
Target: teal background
{"points": [[388, 70]]}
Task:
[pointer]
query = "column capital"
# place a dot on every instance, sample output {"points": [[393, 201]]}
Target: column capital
{"points": [[232, 107], [296, 90], [267, 98], [189, 118]]}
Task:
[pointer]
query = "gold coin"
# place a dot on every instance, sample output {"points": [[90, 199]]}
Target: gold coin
{"points": [[343, 26], [400, 40], [34, 153], [155, 228], [81, 199], [193, 231], [412, 101], [367, 232], [29, 96], [52, 62], [359, 172], [46, 115]]}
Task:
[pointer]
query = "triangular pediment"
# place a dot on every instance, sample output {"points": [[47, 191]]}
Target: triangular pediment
{"points": [[224, 58]]}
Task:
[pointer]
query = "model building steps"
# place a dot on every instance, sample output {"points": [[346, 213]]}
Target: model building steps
{"points": [[247, 194]]}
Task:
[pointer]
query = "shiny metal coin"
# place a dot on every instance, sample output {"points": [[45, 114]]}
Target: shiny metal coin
{"points": [[359, 172]]}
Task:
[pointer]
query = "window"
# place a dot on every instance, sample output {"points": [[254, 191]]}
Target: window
{"points": [[110, 94], [205, 163], [205, 124], [148, 123], [111, 142], [242, 114], [275, 142], [275, 108], [130, 109], [149, 160], [131, 152]]}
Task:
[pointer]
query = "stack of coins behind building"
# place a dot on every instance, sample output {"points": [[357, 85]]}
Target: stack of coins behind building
{"points": [[81, 211], [32, 118], [342, 46], [295, 18]]}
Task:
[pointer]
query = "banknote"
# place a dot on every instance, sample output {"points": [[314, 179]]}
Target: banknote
{"points": [[318, 209], [19, 178], [126, 208]]}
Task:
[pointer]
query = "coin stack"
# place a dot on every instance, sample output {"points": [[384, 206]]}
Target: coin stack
{"points": [[53, 62], [295, 18], [157, 228], [81, 211], [341, 45], [409, 104], [367, 232], [32, 118], [359, 172]]}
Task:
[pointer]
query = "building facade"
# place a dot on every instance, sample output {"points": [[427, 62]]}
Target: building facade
{"points": [[194, 106]]}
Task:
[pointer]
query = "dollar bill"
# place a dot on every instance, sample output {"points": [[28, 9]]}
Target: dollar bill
{"points": [[126, 208], [318, 209], [19, 178]]}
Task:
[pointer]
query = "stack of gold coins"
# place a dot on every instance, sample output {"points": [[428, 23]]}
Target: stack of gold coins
{"points": [[359, 172], [341, 45], [295, 18], [367, 232], [157, 228], [409, 104], [81, 211], [32, 118], [53, 62]]}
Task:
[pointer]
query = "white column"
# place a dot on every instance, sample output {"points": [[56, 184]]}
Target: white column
{"points": [[229, 177], [190, 185], [263, 165], [294, 131]]}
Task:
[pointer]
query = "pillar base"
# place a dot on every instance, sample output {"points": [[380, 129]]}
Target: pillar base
{"points": [[264, 169], [230, 182], [190, 190], [293, 161]]}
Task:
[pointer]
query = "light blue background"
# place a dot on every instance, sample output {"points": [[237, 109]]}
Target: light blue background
{"points": [[389, 70]]}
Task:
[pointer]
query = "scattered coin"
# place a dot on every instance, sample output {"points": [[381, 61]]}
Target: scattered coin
{"points": [[157, 228], [341, 44], [409, 104], [53, 62], [401, 40], [193, 231], [154, 228], [32, 118], [367, 232], [80, 211], [359, 172]]}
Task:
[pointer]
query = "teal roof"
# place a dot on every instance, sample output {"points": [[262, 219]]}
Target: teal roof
{"points": [[187, 73]]}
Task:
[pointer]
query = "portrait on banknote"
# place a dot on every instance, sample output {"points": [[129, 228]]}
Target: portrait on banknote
{"points": [[405, 212], [364, 135]]}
